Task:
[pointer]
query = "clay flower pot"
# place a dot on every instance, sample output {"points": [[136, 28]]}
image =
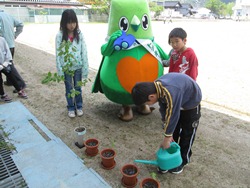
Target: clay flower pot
{"points": [[108, 158], [149, 183], [80, 132], [129, 175], [91, 147]]}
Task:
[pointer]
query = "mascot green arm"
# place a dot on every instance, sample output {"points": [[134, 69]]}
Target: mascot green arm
{"points": [[108, 48]]}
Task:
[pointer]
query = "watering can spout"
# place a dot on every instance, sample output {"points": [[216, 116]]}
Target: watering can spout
{"points": [[146, 162], [166, 158]]}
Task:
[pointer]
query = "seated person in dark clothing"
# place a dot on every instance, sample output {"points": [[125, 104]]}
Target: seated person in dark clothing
{"points": [[5, 67]]}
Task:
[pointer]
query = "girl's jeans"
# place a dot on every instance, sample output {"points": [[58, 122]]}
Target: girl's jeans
{"points": [[73, 103]]}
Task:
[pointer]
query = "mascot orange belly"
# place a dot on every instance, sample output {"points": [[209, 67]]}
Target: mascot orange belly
{"points": [[121, 71]]}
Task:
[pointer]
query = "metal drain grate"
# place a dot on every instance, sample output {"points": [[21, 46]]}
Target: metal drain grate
{"points": [[10, 177]]}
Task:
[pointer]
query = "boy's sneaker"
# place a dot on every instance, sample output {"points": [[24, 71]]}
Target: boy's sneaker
{"points": [[161, 171], [79, 112], [6, 98], [177, 170], [71, 114], [22, 94]]}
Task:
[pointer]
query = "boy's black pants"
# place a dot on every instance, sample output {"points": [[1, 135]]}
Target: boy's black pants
{"points": [[11, 77], [185, 131]]}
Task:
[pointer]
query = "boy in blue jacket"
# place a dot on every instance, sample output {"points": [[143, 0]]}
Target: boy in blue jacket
{"points": [[174, 92]]}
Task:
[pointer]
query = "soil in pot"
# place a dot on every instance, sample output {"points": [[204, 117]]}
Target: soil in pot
{"points": [[129, 172], [149, 183], [91, 147], [108, 161]]}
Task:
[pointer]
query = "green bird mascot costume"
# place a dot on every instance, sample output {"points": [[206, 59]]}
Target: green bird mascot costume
{"points": [[129, 56]]}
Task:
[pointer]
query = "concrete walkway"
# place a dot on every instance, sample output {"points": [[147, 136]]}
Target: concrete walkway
{"points": [[42, 158]]}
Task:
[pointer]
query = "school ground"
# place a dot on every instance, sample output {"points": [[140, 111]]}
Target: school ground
{"points": [[221, 149], [221, 47]]}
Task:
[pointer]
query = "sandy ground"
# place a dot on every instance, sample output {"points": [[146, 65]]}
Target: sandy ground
{"points": [[221, 150]]}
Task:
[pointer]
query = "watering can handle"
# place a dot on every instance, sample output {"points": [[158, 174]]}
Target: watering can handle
{"points": [[175, 145], [172, 144]]}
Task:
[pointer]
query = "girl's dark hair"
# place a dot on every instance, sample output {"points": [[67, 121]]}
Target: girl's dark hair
{"points": [[69, 16], [177, 32], [141, 91]]}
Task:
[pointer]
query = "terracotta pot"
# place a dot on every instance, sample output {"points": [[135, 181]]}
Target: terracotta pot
{"points": [[149, 183], [108, 158], [91, 147], [80, 132], [129, 175]]}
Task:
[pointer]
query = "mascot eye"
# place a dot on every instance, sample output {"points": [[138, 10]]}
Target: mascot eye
{"points": [[123, 24], [145, 22]]}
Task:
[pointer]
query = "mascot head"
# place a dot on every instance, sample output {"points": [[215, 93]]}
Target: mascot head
{"points": [[131, 16]]}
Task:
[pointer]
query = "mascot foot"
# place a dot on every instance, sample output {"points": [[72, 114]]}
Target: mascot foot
{"points": [[126, 113], [144, 109]]}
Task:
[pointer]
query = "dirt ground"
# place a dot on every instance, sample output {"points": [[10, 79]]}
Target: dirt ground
{"points": [[220, 152], [221, 149]]}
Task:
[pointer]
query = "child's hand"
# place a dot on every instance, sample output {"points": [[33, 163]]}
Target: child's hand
{"points": [[166, 63], [6, 64], [166, 142]]}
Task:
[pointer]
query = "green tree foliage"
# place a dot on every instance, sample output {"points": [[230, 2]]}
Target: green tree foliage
{"points": [[155, 8], [220, 8], [229, 9], [101, 6], [214, 5]]}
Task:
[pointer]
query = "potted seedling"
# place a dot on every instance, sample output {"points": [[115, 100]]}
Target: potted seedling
{"points": [[108, 158], [91, 147], [150, 182], [80, 132], [129, 175]]}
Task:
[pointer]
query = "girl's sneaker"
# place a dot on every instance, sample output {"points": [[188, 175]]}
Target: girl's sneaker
{"points": [[71, 114], [22, 94], [6, 98], [79, 112]]}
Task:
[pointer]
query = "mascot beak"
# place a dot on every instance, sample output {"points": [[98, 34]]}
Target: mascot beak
{"points": [[135, 23]]}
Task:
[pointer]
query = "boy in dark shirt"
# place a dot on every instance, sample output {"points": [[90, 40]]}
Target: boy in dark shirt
{"points": [[174, 92]]}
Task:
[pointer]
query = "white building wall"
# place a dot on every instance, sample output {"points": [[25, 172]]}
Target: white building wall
{"points": [[241, 10]]}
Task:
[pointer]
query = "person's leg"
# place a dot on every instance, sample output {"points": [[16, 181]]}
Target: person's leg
{"points": [[19, 79], [12, 51], [8, 82], [68, 87], [177, 131], [126, 113], [17, 76], [13, 80], [190, 122], [1, 84], [78, 98], [3, 96], [11, 77]]}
